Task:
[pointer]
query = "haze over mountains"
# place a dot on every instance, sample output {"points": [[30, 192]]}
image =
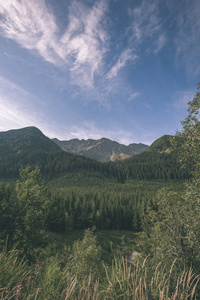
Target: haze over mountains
{"points": [[102, 149]]}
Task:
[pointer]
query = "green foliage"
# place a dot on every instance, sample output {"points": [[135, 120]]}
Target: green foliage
{"points": [[106, 205], [165, 232], [7, 212], [85, 258], [191, 136], [163, 144], [191, 156], [47, 280], [32, 207], [172, 227], [191, 144], [155, 165]]}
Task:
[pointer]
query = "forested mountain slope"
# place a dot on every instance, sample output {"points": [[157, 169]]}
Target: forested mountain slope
{"points": [[162, 144], [30, 146], [25, 140], [159, 161]]}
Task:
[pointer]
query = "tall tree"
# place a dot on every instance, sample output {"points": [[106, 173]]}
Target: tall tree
{"points": [[191, 156], [175, 233], [32, 204]]}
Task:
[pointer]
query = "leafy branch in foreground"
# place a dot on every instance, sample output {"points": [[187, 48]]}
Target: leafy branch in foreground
{"points": [[190, 136], [172, 227]]}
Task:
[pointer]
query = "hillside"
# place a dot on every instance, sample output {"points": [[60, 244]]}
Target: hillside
{"points": [[159, 161], [162, 144], [102, 149], [30, 146], [25, 140]]}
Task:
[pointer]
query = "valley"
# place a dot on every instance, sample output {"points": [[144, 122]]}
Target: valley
{"points": [[83, 215]]}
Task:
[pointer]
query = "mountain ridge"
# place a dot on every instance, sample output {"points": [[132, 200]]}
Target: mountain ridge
{"points": [[102, 149], [30, 146]]}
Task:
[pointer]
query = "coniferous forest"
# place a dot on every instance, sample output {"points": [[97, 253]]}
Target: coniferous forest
{"points": [[75, 228]]}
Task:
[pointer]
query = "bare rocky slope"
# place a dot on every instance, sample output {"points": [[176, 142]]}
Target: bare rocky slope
{"points": [[102, 149]]}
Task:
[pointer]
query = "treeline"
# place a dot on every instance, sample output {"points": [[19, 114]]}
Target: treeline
{"points": [[105, 210], [54, 164], [113, 206], [155, 165], [145, 166]]}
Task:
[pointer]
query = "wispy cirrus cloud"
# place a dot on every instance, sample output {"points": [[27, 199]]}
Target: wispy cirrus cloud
{"points": [[159, 43], [86, 40], [31, 25], [14, 113], [88, 130], [147, 25], [79, 50], [125, 56], [82, 46], [187, 21], [18, 109]]}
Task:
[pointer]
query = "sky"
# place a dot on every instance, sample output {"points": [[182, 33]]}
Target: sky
{"points": [[120, 69]]}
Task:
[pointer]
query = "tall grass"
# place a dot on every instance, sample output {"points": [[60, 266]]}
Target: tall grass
{"points": [[121, 281], [13, 274], [140, 282]]}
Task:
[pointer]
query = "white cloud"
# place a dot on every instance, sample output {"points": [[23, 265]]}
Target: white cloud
{"points": [[133, 96], [86, 41], [13, 115], [79, 51], [187, 40], [30, 24], [125, 56], [88, 130], [147, 24], [160, 43], [82, 46], [146, 19], [18, 109]]}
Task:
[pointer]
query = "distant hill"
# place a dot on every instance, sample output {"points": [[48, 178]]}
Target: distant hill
{"points": [[26, 139], [30, 146], [102, 149], [23, 146], [162, 144], [159, 161]]}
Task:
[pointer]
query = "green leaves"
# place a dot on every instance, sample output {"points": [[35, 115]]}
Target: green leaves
{"points": [[175, 233], [32, 206], [191, 136], [85, 258]]}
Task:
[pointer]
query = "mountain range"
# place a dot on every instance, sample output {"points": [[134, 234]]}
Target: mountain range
{"points": [[30, 146], [102, 149]]}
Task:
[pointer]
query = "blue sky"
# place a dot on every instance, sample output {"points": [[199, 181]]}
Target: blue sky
{"points": [[124, 70]]}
